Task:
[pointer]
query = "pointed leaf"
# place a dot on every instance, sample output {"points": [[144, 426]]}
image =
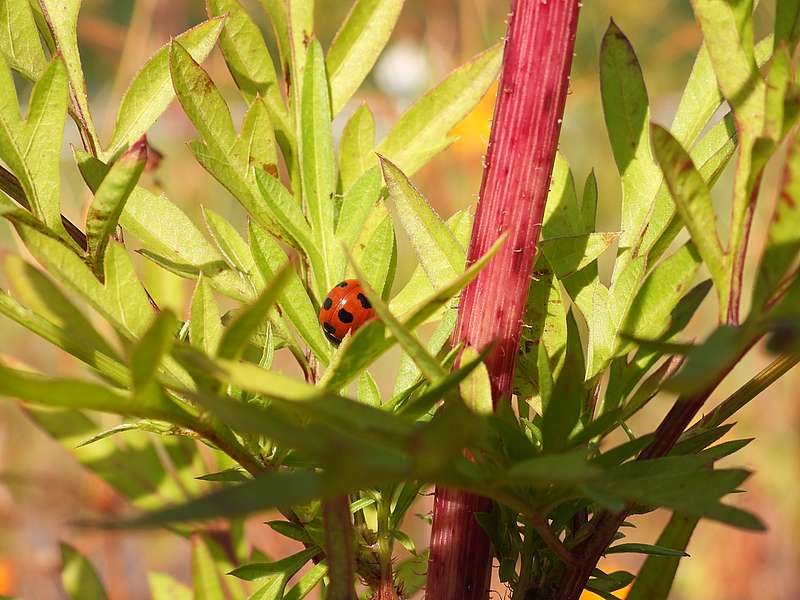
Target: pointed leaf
{"points": [[205, 330], [204, 572], [21, 45], [148, 352], [357, 204], [165, 587], [356, 146], [80, 579]]}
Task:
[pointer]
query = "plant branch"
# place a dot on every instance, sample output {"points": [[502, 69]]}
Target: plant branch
{"points": [[519, 160], [339, 548]]}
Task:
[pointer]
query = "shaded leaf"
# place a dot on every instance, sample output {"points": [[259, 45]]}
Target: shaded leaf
{"points": [[80, 579]]}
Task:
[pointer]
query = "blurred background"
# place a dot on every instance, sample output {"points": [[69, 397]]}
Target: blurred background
{"points": [[42, 488]]}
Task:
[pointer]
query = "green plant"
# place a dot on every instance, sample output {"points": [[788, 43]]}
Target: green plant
{"points": [[344, 472]]}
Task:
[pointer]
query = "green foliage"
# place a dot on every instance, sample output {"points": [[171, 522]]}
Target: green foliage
{"points": [[595, 347]]}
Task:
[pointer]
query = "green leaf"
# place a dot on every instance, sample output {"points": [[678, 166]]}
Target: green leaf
{"points": [[233, 247], [150, 91], [68, 393], [655, 578], [62, 20], [307, 582], [294, 299], [356, 146], [249, 62], [567, 468], [232, 475], [357, 45], [300, 27], [652, 550], [369, 342], [438, 252], [79, 577], [237, 335], [165, 230], [149, 351], [649, 314], [317, 160], [368, 391], [256, 147], [109, 201], [378, 259], [783, 238], [357, 204], [787, 23], [21, 46], [124, 297], [33, 151], [276, 574], [205, 330], [165, 587], [9, 103], [423, 130], [476, 389], [572, 253], [627, 116], [205, 578], [693, 202]]}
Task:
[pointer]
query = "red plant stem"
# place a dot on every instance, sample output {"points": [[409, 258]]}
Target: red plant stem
{"points": [[519, 160]]}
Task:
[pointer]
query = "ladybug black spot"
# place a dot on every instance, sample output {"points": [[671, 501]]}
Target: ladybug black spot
{"points": [[329, 329], [344, 316], [365, 303], [343, 284], [327, 304]]}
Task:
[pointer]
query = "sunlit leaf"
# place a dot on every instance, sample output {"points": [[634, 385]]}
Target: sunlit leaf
{"points": [[356, 147], [79, 577], [21, 46]]}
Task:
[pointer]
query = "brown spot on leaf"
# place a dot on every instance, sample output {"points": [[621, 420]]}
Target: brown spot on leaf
{"points": [[271, 169]]}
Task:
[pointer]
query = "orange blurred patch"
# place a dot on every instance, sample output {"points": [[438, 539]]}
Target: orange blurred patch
{"points": [[7, 578], [473, 131], [622, 594]]}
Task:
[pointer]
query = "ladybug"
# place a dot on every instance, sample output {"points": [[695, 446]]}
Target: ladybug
{"points": [[345, 309]]}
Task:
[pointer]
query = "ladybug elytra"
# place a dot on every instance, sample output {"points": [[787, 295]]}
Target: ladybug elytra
{"points": [[345, 309]]}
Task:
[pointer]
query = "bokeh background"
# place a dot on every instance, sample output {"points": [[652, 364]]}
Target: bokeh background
{"points": [[42, 488]]}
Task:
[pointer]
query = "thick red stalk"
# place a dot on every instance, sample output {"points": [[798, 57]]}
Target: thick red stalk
{"points": [[519, 160]]}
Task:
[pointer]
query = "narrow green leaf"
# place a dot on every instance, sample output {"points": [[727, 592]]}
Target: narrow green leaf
{"points": [[655, 578], [69, 393], [659, 294], [783, 238], [476, 390], [205, 578], [21, 45], [62, 20], [294, 299], [627, 115], [249, 61], [378, 259], [237, 335], [110, 199], [571, 253], [278, 13], [150, 91], [357, 45], [79, 577], [368, 392], [9, 103], [692, 201], [652, 550], [280, 570], [317, 160], [307, 582], [357, 204], [256, 147], [124, 298], [300, 28], [205, 330], [149, 351], [423, 130], [165, 587], [356, 146], [787, 23], [233, 248], [567, 468], [438, 252]]}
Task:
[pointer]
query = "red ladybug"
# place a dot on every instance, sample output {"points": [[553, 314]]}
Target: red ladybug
{"points": [[345, 309]]}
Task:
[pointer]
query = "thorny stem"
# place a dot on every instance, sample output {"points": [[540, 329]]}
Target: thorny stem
{"points": [[519, 160]]}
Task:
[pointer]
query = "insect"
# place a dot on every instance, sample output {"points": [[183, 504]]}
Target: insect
{"points": [[345, 309]]}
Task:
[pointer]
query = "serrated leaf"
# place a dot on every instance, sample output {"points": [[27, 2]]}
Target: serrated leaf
{"points": [[654, 580], [294, 299], [21, 45], [110, 199], [422, 131], [79, 577], [62, 20], [250, 63], [237, 334], [692, 201], [150, 91], [438, 252], [357, 45], [317, 160], [356, 146], [205, 330], [627, 116]]}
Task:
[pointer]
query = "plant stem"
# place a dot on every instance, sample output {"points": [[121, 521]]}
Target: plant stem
{"points": [[339, 548], [519, 160]]}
